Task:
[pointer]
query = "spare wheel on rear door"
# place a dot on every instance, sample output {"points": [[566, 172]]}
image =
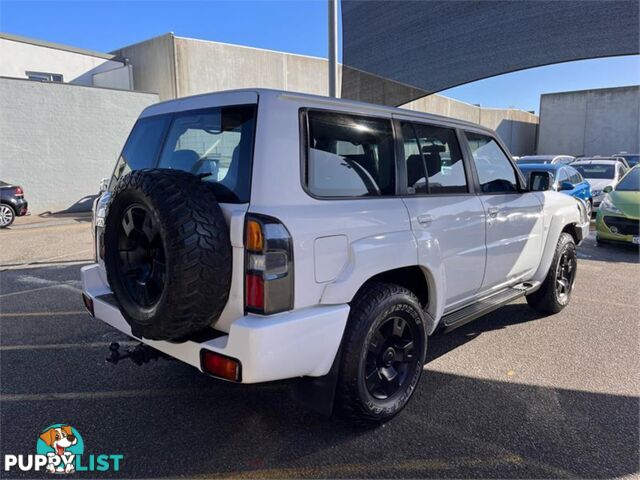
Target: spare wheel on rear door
{"points": [[167, 253]]}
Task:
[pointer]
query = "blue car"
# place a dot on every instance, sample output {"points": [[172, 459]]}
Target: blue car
{"points": [[566, 179]]}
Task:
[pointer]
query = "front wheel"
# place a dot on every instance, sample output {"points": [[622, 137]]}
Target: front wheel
{"points": [[7, 215], [384, 350], [555, 292]]}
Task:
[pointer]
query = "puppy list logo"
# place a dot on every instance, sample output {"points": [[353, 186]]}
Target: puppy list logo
{"points": [[60, 450]]}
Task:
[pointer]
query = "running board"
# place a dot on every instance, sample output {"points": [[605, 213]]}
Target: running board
{"points": [[465, 315]]}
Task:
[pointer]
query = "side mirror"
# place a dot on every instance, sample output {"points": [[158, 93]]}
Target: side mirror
{"points": [[607, 189], [540, 181], [104, 184], [566, 186]]}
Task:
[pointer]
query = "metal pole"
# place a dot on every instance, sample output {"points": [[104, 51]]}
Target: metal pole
{"points": [[333, 48]]}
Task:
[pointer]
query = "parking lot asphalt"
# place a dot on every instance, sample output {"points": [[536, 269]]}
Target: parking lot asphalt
{"points": [[511, 395]]}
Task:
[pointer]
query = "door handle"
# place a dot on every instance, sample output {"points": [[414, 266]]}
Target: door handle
{"points": [[493, 212], [425, 219]]}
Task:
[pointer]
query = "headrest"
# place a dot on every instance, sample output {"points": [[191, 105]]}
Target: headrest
{"points": [[434, 149]]}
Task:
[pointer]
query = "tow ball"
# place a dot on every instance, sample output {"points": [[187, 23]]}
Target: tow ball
{"points": [[139, 354]]}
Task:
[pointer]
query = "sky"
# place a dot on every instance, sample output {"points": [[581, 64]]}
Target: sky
{"points": [[297, 26]]}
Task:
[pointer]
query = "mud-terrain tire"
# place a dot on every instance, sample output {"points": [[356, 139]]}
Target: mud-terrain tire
{"points": [[555, 292], [362, 378], [167, 253]]}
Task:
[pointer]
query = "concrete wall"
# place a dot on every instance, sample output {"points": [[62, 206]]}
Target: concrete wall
{"points": [[178, 67], [203, 66], [78, 68], [590, 122], [517, 128], [153, 65], [59, 140]]}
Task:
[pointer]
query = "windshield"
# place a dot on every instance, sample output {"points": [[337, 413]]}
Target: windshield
{"points": [[596, 170], [216, 144], [630, 182]]}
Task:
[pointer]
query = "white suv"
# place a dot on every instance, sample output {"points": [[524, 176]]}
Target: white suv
{"points": [[261, 235]]}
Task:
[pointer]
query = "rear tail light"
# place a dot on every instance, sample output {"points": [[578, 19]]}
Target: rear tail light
{"points": [[19, 192], [220, 366], [268, 266]]}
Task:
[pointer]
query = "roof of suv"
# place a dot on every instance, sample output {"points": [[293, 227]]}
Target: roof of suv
{"points": [[318, 99]]}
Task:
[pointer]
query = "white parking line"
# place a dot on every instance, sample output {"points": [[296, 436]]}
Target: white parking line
{"points": [[42, 314], [58, 285]]}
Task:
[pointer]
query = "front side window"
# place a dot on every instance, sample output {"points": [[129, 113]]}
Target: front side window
{"points": [[495, 172], [349, 156], [433, 158], [574, 176]]}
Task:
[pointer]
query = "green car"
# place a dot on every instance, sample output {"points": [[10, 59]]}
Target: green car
{"points": [[618, 218]]}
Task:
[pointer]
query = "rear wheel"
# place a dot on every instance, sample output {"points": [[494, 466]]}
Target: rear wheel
{"points": [[555, 292], [384, 349], [7, 215]]}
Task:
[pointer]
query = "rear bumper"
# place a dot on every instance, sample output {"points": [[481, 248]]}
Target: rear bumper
{"points": [[291, 344], [20, 206]]}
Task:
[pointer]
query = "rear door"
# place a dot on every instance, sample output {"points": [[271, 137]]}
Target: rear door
{"points": [[447, 217], [514, 224]]}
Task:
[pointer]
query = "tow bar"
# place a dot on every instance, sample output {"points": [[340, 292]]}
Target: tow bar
{"points": [[139, 354]]}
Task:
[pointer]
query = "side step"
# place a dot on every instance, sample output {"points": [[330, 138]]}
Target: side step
{"points": [[465, 315]]}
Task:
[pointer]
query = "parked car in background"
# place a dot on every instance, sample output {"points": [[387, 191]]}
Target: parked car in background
{"points": [[600, 172], [632, 158], [12, 203], [618, 218], [538, 159], [565, 179]]}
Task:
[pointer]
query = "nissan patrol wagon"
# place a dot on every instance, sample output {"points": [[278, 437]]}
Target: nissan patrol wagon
{"points": [[260, 235]]}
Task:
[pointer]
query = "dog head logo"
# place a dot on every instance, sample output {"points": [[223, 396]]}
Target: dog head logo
{"points": [[60, 443]]}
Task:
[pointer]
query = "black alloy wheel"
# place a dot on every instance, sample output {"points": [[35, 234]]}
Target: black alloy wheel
{"points": [[565, 274], [390, 360], [142, 256]]}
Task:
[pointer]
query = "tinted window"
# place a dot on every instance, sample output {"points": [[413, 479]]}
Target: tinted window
{"points": [[597, 170], [349, 156], [141, 148], [217, 145], [495, 172], [631, 181], [563, 175], [574, 176], [433, 150]]}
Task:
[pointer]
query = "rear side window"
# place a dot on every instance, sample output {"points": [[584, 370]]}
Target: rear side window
{"points": [[349, 156], [142, 147], [495, 172], [434, 161], [215, 144]]}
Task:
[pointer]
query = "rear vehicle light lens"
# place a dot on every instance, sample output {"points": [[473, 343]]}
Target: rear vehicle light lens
{"points": [[19, 191], [254, 291], [268, 266], [254, 240], [220, 366]]}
